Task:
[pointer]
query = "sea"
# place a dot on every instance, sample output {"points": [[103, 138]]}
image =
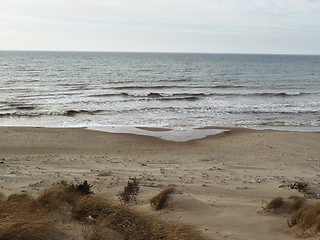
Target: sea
{"points": [[168, 90]]}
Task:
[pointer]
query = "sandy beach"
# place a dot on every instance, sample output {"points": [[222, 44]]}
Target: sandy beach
{"points": [[224, 179]]}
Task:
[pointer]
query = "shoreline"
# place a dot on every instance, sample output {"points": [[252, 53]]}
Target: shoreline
{"points": [[178, 134], [224, 178]]}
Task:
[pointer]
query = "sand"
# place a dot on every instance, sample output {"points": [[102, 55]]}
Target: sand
{"points": [[225, 179]]}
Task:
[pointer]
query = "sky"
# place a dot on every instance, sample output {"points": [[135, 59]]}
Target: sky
{"points": [[207, 26]]}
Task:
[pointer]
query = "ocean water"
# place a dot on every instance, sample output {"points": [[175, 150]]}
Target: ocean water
{"points": [[97, 89]]}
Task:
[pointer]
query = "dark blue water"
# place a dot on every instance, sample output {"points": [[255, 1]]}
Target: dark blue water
{"points": [[83, 89]]}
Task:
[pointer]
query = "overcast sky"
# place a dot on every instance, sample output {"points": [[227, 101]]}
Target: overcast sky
{"points": [[214, 26]]}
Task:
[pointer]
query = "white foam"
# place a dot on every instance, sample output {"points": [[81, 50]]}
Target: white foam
{"points": [[177, 134]]}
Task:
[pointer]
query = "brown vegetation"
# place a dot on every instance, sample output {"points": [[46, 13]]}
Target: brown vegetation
{"points": [[159, 201], [308, 218], [274, 204], [24, 218], [305, 216], [297, 202], [300, 186], [130, 191], [61, 192]]}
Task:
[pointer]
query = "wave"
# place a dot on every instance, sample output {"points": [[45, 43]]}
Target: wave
{"points": [[121, 82], [176, 80], [71, 85], [111, 95], [67, 113], [71, 113], [148, 95], [28, 70], [180, 99], [152, 95], [45, 96], [144, 70], [229, 86], [270, 111], [21, 114], [27, 108], [164, 96], [281, 94], [268, 94], [173, 86]]}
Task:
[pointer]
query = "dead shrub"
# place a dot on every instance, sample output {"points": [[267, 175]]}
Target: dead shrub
{"points": [[130, 191], [82, 188], [159, 201], [300, 186]]}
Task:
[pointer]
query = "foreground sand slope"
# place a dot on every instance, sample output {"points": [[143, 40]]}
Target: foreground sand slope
{"points": [[225, 179]]}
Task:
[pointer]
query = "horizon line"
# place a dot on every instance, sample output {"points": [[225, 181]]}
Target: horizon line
{"points": [[158, 52]]}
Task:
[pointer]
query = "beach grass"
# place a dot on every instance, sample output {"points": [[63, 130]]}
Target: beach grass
{"points": [[274, 204], [159, 201], [25, 217], [306, 216]]}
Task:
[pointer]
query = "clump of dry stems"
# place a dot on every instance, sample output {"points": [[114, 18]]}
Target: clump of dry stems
{"points": [[130, 191]]}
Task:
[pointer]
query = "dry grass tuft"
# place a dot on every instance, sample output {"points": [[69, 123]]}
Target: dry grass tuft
{"points": [[274, 204], [27, 228], [22, 219], [62, 192], [16, 203], [297, 202], [307, 218], [2, 197], [303, 215], [101, 231], [159, 201], [295, 217], [90, 208]]}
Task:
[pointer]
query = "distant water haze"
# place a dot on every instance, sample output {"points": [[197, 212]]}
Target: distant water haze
{"points": [[96, 89]]}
